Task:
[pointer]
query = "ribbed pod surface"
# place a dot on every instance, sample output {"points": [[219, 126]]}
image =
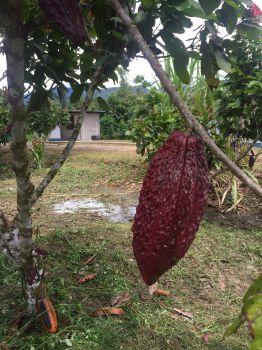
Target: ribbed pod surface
{"points": [[171, 205]]}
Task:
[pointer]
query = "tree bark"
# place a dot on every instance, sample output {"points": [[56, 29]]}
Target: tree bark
{"points": [[9, 240], [177, 100], [14, 49]]}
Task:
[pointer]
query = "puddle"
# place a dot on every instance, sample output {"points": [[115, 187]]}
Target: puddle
{"points": [[111, 212]]}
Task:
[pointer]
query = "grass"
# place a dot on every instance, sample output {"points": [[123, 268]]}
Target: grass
{"points": [[219, 255]]}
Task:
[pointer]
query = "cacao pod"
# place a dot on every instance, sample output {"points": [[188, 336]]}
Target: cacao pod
{"points": [[47, 314], [171, 205], [68, 16]]}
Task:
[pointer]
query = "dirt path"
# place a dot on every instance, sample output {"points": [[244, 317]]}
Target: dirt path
{"points": [[101, 146]]}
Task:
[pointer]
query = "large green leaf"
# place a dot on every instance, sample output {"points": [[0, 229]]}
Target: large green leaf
{"points": [[222, 62], [178, 51], [209, 66], [209, 5], [227, 16], [78, 90], [252, 314]]}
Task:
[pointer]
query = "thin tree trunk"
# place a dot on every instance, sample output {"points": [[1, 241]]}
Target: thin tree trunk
{"points": [[177, 100], [57, 165], [14, 49]]}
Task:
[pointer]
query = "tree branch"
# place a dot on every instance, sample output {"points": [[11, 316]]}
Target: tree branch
{"points": [[57, 165], [177, 100]]}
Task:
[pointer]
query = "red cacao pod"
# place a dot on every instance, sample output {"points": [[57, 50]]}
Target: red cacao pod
{"points": [[171, 205], [68, 16]]}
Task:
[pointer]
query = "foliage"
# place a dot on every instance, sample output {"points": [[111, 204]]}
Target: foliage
{"points": [[43, 121], [38, 151], [154, 120], [155, 115], [115, 121], [239, 97], [251, 315], [120, 109]]}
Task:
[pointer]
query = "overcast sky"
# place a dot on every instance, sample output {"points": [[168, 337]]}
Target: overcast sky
{"points": [[137, 66]]}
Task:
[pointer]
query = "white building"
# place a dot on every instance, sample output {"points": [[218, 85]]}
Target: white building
{"points": [[90, 129]]}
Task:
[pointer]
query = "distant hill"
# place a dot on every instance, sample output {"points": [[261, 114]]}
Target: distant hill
{"points": [[104, 93]]}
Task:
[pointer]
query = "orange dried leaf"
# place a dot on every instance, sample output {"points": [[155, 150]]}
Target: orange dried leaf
{"points": [[107, 311], [87, 278], [159, 292]]}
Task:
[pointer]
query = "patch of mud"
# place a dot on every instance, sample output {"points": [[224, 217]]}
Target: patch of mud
{"points": [[111, 212], [234, 220]]}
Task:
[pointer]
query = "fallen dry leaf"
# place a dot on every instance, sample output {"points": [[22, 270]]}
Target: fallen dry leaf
{"points": [[183, 313], [4, 347], [89, 260], [159, 292], [107, 311], [204, 338], [87, 278], [121, 299], [221, 282]]}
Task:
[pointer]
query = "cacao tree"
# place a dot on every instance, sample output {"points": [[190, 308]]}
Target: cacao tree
{"points": [[82, 44]]}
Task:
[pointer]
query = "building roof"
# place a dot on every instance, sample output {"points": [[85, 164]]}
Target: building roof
{"points": [[78, 111]]}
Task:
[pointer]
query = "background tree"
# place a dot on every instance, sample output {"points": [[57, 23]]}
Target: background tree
{"points": [[239, 97]]}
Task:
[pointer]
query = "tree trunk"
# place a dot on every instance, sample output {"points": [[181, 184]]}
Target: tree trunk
{"points": [[177, 100], [14, 49]]}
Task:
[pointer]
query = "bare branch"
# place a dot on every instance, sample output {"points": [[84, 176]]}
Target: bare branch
{"points": [[178, 101], [4, 76]]}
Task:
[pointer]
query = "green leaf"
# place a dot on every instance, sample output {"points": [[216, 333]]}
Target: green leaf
{"points": [[209, 66], [78, 90], [232, 3], [222, 62], [252, 31], [233, 328], [256, 344], [250, 174], [227, 16], [209, 5], [148, 3], [178, 51], [102, 104], [118, 35]]}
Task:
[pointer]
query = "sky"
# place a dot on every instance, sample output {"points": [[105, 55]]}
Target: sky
{"points": [[138, 66]]}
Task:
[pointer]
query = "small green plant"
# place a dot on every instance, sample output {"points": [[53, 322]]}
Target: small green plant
{"points": [[38, 151]]}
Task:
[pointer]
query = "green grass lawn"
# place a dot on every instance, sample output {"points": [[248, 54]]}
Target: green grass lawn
{"points": [[208, 283]]}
